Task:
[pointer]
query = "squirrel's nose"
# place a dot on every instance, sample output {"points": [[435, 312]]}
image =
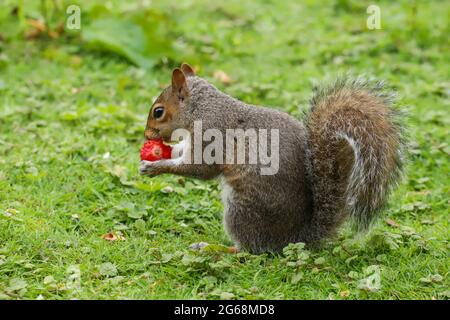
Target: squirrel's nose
{"points": [[147, 134], [150, 134]]}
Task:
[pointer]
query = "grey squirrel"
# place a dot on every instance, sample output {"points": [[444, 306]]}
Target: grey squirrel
{"points": [[343, 161]]}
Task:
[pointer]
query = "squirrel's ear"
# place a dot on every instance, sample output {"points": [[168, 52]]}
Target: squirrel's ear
{"points": [[187, 70], [179, 85]]}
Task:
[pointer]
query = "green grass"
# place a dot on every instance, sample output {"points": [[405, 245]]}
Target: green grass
{"points": [[71, 125]]}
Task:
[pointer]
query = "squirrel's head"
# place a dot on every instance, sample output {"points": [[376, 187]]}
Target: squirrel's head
{"points": [[165, 114]]}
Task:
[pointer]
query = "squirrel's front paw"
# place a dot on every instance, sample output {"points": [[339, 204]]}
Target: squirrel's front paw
{"points": [[149, 168]]}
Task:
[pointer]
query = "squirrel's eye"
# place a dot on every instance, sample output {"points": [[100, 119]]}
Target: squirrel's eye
{"points": [[158, 112]]}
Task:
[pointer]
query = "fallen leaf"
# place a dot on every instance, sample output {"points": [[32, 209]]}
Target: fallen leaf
{"points": [[109, 236], [233, 250], [392, 223], [52, 34], [344, 293], [167, 189], [112, 237], [75, 90], [37, 24], [222, 77]]}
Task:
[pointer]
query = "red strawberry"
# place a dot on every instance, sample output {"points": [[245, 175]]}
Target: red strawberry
{"points": [[154, 150]]}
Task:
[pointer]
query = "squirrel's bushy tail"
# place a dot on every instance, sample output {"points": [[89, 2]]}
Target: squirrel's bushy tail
{"points": [[355, 151]]}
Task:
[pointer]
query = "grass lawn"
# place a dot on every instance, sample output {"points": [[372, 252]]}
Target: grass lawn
{"points": [[72, 120]]}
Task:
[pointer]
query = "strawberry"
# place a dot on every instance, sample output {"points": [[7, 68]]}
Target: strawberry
{"points": [[154, 150]]}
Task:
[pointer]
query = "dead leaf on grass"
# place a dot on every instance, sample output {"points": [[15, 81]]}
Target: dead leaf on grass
{"points": [[112, 237], [222, 77], [392, 223]]}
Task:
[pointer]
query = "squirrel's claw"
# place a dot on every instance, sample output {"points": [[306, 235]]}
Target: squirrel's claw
{"points": [[148, 168]]}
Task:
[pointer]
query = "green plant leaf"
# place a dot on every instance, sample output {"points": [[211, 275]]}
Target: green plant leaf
{"points": [[372, 283], [107, 269], [16, 284], [297, 277], [121, 37]]}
